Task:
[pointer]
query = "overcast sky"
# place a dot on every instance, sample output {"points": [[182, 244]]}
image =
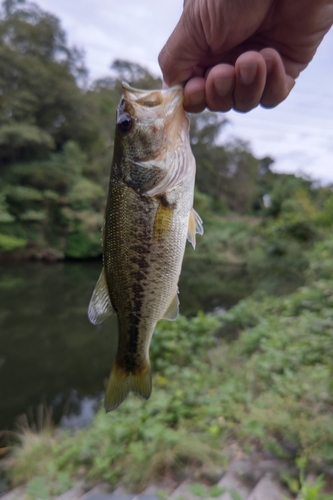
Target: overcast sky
{"points": [[298, 133]]}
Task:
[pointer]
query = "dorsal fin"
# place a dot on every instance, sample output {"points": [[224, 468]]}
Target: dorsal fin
{"points": [[100, 307], [194, 226]]}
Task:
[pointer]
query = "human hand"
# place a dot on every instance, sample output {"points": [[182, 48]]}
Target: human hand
{"points": [[241, 53]]}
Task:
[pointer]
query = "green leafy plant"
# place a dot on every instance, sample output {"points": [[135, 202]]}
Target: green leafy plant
{"points": [[38, 487], [306, 488], [202, 491], [11, 242]]}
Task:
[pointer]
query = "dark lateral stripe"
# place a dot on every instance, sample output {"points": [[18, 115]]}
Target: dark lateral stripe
{"points": [[133, 333]]}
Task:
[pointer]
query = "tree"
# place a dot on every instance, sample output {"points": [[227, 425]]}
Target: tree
{"points": [[228, 173], [41, 104]]}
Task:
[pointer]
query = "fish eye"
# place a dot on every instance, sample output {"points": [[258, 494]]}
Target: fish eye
{"points": [[124, 122]]}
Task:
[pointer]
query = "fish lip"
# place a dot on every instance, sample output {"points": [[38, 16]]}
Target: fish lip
{"points": [[172, 97], [135, 90]]}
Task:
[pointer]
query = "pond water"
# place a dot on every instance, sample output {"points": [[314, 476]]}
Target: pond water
{"points": [[49, 352]]}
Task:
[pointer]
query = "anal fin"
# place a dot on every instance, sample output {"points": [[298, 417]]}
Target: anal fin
{"points": [[100, 307], [195, 226]]}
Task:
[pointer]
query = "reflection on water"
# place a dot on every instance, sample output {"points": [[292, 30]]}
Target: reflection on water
{"points": [[49, 352], [82, 415], [48, 348]]}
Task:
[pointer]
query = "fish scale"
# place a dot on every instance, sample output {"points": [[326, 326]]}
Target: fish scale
{"points": [[149, 215]]}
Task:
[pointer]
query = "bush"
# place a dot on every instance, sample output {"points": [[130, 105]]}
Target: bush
{"points": [[8, 243]]}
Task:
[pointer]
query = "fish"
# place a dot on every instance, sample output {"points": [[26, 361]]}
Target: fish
{"points": [[149, 216]]}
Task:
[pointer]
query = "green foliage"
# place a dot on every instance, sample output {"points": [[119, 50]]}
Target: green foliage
{"points": [[226, 173], [235, 495], [8, 243], [261, 373], [23, 193], [282, 189], [321, 263], [20, 136], [56, 139], [245, 375], [134, 74], [43, 488], [64, 206], [181, 341], [84, 193], [201, 491], [305, 488], [39, 487], [79, 245], [5, 216], [325, 216], [42, 105], [313, 491]]}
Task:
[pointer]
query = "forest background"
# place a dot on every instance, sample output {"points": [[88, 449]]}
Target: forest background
{"points": [[259, 374]]}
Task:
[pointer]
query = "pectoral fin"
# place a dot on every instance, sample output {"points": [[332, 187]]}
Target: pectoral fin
{"points": [[194, 227], [100, 307], [162, 222], [173, 310]]}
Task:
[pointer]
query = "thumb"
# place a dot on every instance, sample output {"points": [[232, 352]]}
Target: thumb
{"points": [[183, 50]]}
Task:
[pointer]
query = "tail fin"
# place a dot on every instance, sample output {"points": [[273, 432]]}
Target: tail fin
{"points": [[121, 383]]}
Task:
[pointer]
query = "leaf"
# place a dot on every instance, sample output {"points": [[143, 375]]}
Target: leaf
{"points": [[38, 487], [216, 491], [64, 481], [136, 449], [23, 134], [11, 242], [235, 495], [197, 489]]}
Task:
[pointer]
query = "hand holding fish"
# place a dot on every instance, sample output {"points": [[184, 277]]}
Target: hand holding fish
{"points": [[241, 53]]}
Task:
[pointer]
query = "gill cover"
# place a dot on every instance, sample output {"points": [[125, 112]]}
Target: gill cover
{"points": [[160, 110]]}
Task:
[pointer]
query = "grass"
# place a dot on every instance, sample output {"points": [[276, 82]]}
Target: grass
{"points": [[259, 375]]}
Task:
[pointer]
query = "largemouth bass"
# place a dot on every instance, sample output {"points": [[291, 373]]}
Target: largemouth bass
{"points": [[148, 217]]}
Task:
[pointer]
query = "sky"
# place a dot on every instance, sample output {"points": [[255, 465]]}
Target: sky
{"points": [[298, 133]]}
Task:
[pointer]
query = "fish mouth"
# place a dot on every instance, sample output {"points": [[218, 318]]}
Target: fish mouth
{"points": [[170, 99]]}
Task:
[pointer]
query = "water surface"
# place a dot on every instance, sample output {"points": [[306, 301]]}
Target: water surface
{"points": [[49, 352]]}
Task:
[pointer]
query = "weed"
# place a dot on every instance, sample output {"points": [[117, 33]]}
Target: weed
{"points": [[201, 491], [268, 388], [306, 488]]}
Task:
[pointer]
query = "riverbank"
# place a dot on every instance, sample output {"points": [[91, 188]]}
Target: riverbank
{"points": [[257, 377]]}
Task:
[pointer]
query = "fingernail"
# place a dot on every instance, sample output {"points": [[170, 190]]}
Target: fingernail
{"points": [[223, 86], [248, 73], [197, 98]]}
